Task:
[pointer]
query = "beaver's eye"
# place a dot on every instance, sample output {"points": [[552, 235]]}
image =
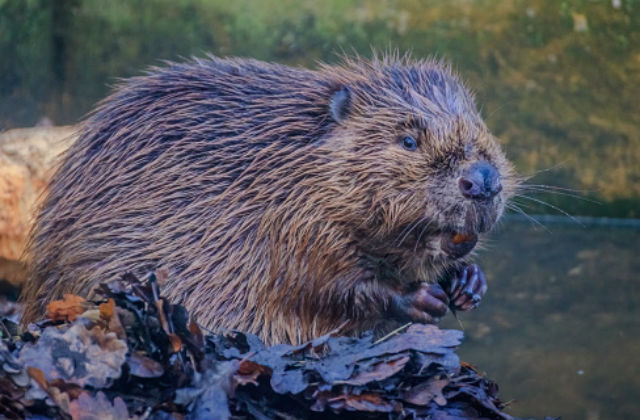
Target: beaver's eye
{"points": [[409, 143]]}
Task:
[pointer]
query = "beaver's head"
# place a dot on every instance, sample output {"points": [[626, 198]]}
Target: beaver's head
{"points": [[431, 177]]}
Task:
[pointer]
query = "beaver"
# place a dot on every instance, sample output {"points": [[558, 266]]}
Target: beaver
{"points": [[282, 201]]}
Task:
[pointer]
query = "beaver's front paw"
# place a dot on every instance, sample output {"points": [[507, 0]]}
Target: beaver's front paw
{"points": [[467, 288], [427, 303]]}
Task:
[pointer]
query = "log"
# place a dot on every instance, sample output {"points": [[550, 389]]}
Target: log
{"points": [[27, 158]]}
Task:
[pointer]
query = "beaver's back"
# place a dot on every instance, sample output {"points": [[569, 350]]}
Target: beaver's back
{"points": [[166, 166]]}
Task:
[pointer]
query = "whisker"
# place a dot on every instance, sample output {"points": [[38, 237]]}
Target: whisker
{"points": [[409, 226], [402, 232], [415, 247], [412, 228], [563, 193], [528, 177], [553, 187], [544, 203], [513, 206]]}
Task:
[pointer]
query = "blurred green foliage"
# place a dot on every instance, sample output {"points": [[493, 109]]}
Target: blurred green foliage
{"points": [[558, 81]]}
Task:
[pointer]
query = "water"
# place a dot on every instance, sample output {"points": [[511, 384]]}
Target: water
{"points": [[559, 327]]}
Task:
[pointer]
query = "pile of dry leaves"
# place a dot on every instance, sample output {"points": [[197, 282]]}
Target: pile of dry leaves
{"points": [[135, 355]]}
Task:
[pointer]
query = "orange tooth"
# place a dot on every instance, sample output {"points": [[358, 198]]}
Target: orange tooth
{"points": [[459, 238]]}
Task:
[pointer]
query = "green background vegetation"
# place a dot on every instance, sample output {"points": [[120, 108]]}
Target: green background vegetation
{"points": [[558, 81]]}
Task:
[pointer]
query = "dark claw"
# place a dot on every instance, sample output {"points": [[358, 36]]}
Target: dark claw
{"points": [[468, 288], [459, 281]]}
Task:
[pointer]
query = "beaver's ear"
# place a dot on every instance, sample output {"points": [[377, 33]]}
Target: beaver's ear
{"points": [[340, 104]]}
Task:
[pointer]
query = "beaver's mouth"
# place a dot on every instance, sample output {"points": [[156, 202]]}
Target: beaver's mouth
{"points": [[457, 244], [454, 240], [459, 240]]}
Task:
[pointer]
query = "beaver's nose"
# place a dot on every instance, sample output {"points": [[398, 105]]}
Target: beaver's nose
{"points": [[480, 181]]}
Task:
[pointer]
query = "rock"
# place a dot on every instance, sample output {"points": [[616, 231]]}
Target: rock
{"points": [[27, 157]]}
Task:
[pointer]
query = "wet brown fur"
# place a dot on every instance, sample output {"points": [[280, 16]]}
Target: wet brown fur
{"points": [[271, 216]]}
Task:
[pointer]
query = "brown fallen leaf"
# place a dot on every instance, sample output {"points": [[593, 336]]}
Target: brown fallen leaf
{"points": [[369, 401], [248, 372], [58, 390], [87, 407], [380, 371], [77, 355], [425, 392], [469, 366], [59, 385], [115, 325], [176, 342], [196, 333], [67, 309], [107, 309], [38, 376], [144, 367]]}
